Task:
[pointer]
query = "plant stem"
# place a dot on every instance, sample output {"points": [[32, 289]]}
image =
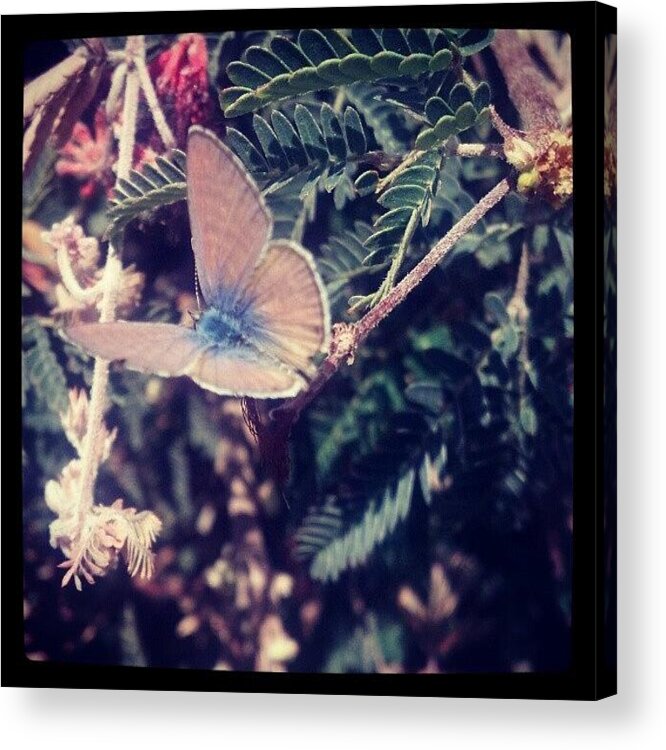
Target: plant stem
{"points": [[127, 135], [110, 283], [476, 149], [463, 150], [115, 90], [151, 99], [71, 282], [518, 310], [339, 100], [398, 258], [348, 337], [525, 82], [407, 162], [422, 269]]}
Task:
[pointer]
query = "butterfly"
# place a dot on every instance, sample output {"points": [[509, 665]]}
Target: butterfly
{"points": [[266, 312]]}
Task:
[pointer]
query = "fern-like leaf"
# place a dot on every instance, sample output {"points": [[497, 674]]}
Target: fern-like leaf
{"points": [[42, 370], [408, 199], [304, 150], [321, 59], [392, 130], [453, 110], [355, 546], [346, 529], [341, 264], [155, 185]]}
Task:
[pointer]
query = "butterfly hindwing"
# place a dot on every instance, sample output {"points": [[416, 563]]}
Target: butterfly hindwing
{"points": [[244, 374], [289, 297], [229, 219]]}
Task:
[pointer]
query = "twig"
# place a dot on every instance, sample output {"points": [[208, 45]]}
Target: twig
{"points": [[450, 148], [339, 100], [110, 283], [128, 133], [151, 99], [525, 83], [71, 282], [348, 337], [398, 258], [472, 150], [518, 310], [115, 90]]}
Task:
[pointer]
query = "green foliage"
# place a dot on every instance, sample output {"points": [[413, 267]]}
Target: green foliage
{"points": [[304, 151], [41, 369], [320, 59], [380, 519], [341, 264], [391, 129], [368, 647], [408, 200], [386, 461], [454, 111], [155, 185]]}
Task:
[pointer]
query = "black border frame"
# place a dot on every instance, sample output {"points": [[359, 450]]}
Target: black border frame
{"points": [[587, 678]]}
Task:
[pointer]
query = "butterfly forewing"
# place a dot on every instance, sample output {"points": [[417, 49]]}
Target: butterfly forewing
{"points": [[157, 348], [229, 220]]}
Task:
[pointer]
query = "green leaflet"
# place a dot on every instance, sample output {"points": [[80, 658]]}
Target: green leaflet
{"points": [[320, 59], [155, 185], [41, 368], [310, 151], [356, 545]]}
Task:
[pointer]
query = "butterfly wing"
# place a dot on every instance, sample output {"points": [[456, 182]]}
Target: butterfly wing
{"points": [[229, 219], [290, 299], [157, 348], [171, 350], [230, 373]]}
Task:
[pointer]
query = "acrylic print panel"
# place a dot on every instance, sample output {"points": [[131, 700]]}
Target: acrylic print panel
{"points": [[610, 352], [335, 435]]}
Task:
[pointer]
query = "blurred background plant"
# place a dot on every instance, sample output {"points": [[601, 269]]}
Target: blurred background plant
{"points": [[424, 520]]}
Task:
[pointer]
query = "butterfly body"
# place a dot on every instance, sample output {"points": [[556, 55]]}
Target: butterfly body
{"points": [[266, 312], [233, 325]]}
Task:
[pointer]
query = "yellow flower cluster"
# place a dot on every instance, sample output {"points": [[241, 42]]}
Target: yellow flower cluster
{"points": [[546, 171]]}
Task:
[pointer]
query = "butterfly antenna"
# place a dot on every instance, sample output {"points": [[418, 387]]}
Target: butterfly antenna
{"points": [[197, 287]]}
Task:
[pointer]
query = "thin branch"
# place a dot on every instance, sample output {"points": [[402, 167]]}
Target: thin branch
{"points": [[422, 269], [151, 99], [110, 282], [90, 458], [115, 90], [472, 150], [128, 133], [525, 82], [348, 337], [450, 148], [518, 310], [71, 282], [389, 281]]}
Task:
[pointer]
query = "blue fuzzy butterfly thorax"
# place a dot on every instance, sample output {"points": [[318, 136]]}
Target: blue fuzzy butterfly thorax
{"points": [[231, 324]]}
